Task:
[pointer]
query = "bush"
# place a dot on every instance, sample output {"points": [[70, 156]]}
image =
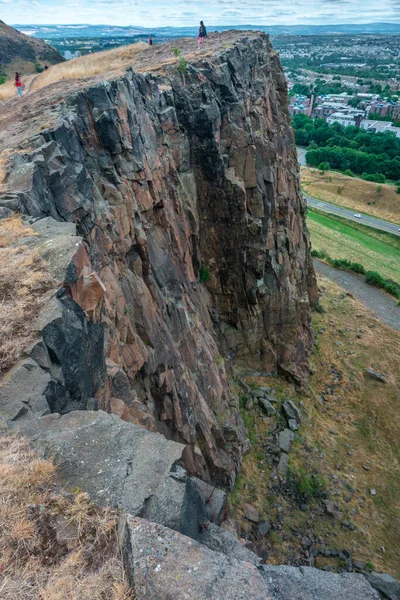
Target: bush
{"points": [[309, 484], [182, 65], [323, 166], [348, 265], [204, 274], [376, 177], [398, 189], [38, 68], [371, 277], [348, 172], [2, 79]]}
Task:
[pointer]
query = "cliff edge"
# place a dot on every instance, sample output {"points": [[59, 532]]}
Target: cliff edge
{"points": [[181, 178]]}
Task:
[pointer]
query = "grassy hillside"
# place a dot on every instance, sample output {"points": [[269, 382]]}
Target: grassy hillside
{"points": [[379, 200], [340, 240], [20, 52], [348, 442]]}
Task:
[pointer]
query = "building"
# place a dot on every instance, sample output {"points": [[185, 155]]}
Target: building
{"points": [[346, 118], [68, 55], [342, 98], [379, 127], [299, 105]]}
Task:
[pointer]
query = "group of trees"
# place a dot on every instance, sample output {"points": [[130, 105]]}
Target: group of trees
{"points": [[348, 148]]}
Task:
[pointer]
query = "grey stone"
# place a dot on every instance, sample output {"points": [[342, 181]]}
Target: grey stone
{"points": [[23, 393], [121, 465], [385, 584], [162, 564], [176, 504], [307, 583], [332, 510], [264, 527], [293, 424], [221, 540], [375, 375], [5, 212], [266, 407], [283, 464], [285, 439], [214, 500], [291, 411], [257, 393]]}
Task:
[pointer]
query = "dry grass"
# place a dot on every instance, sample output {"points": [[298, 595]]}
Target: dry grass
{"points": [[53, 546], [78, 68], [352, 440], [381, 201], [89, 66], [24, 280]]}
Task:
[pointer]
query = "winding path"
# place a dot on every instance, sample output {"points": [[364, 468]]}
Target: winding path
{"points": [[383, 306]]}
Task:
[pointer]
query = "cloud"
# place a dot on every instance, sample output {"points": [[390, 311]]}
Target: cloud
{"points": [[188, 12]]}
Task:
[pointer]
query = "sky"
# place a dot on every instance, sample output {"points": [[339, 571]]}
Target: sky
{"points": [[179, 13]]}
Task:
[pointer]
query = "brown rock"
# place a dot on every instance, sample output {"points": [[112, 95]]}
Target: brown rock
{"points": [[161, 179], [251, 513]]}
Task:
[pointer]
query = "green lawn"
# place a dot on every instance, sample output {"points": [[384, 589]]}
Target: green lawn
{"points": [[376, 252]]}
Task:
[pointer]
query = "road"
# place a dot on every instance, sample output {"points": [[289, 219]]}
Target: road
{"points": [[384, 306], [301, 155], [345, 212], [349, 214]]}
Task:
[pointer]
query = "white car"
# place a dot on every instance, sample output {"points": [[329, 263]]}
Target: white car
{"points": [[357, 215]]}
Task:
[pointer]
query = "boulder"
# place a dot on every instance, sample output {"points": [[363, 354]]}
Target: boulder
{"points": [[251, 513], [375, 375], [283, 464], [120, 464], [385, 584], [163, 565], [264, 528], [176, 504], [291, 411], [306, 583], [285, 439], [266, 407], [214, 500], [23, 393], [221, 540]]}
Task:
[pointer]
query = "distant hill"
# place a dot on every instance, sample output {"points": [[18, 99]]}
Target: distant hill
{"points": [[53, 32], [20, 52]]}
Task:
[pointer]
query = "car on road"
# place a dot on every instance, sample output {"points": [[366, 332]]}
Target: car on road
{"points": [[357, 215]]}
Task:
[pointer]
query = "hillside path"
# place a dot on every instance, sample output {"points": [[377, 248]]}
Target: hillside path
{"points": [[384, 307]]}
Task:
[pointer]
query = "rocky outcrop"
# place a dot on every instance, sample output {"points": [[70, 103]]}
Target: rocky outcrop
{"points": [[169, 180], [307, 583], [162, 564]]}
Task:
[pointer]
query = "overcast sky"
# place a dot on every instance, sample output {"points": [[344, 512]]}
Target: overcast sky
{"points": [[188, 12]]}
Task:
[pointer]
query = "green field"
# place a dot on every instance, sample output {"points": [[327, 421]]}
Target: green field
{"points": [[376, 251]]}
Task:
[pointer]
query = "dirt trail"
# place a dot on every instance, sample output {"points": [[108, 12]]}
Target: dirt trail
{"points": [[383, 306]]}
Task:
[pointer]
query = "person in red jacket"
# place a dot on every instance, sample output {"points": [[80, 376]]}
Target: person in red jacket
{"points": [[18, 83]]}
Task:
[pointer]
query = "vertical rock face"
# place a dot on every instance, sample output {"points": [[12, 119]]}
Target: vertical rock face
{"points": [[170, 178]]}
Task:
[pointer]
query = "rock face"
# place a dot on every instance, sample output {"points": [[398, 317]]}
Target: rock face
{"points": [[384, 583], [171, 180], [162, 564], [306, 583]]}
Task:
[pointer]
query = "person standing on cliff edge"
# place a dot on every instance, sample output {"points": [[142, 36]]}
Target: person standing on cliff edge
{"points": [[18, 83], [202, 35]]}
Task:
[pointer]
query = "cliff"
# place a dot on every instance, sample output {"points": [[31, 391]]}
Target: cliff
{"points": [[193, 250]]}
